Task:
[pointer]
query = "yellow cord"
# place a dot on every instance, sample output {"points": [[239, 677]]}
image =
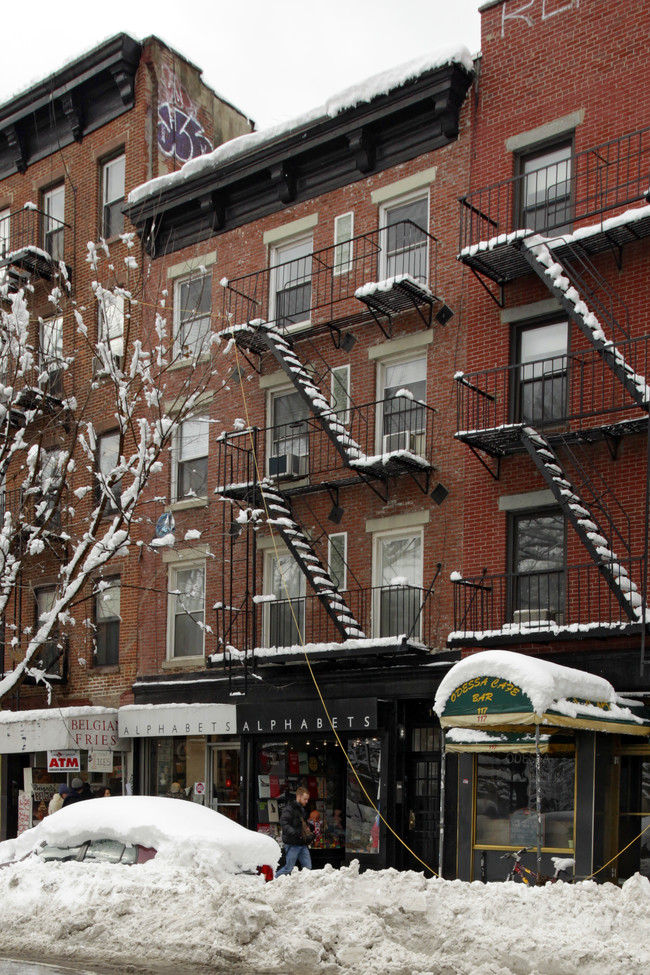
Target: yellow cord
{"points": [[302, 641]]}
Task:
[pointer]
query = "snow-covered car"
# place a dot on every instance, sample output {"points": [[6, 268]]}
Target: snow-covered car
{"points": [[133, 829]]}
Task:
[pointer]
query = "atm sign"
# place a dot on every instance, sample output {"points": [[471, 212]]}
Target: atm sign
{"points": [[64, 761]]}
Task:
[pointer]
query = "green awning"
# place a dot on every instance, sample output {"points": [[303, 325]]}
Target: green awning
{"points": [[499, 690], [473, 740]]}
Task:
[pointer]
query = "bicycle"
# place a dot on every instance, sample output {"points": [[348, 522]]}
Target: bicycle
{"points": [[527, 876]]}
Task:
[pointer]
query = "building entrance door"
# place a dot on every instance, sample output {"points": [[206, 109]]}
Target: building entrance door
{"points": [[634, 816], [224, 784], [423, 797]]}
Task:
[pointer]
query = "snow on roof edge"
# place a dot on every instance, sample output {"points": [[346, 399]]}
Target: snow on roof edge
{"points": [[373, 87]]}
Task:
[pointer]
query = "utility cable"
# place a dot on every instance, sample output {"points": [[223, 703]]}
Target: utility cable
{"points": [[302, 641]]}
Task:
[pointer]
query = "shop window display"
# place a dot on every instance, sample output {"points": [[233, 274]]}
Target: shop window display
{"points": [[175, 766], [341, 815], [506, 800]]}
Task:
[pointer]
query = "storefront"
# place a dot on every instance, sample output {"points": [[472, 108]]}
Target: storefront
{"points": [[539, 751], [340, 757], [42, 749], [186, 751]]}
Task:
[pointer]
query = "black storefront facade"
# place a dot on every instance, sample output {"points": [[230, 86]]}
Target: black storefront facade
{"points": [[364, 741]]}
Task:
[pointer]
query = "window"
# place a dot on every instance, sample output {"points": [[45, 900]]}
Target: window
{"points": [[111, 324], [404, 248], [543, 385], [546, 188], [108, 458], [538, 554], [48, 657], [290, 298], [107, 622], [51, 354], [289, 447], [341, 392], [193, 314], [398, 574], [403, 390], [51, 476], [285, 617], [344, 248], [192, 447], [112, 197], [5, 246], [506, 795], [53, 217], [337, 558], [187, 609]]}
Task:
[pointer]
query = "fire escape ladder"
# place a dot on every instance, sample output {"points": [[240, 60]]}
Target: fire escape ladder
{"points": [[583, 520], [301, 549], [309, 392], [562, 281]]}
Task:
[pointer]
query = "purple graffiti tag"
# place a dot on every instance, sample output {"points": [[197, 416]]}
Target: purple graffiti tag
{"points": [[180, 134]]}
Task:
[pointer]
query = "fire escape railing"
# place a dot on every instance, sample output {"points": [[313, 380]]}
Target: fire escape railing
{"points": [[388, 614], [31, 237], [577, 389], [320, 287], [602, 179], [388, 435], [569, 602]]}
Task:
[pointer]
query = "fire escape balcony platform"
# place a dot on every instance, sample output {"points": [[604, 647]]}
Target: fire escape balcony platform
{"points": [[505, 441], [502, 260]]}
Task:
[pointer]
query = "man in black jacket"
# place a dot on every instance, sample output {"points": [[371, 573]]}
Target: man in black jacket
{"points": [[296, 834]]}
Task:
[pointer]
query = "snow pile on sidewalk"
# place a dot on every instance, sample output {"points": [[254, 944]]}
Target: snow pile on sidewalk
{"points": [[326, 921]]}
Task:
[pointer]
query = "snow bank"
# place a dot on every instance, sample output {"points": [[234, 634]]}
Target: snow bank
{"points": [[326, 922]]}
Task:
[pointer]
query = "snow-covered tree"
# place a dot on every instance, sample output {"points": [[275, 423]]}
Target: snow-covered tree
{"points": [[68, 496]]}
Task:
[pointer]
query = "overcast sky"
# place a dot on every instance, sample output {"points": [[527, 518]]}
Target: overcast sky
{"points": [[273, 59]]}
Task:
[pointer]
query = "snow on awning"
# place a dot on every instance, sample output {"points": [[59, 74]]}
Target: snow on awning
{"points": [[504, 690], [474, 740], [84, 727]]}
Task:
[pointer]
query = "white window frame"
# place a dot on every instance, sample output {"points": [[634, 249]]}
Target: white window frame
{"points": [[270, 561], [382, 366], [343, 245], [110, 324], [379, 538], [108, 201], [340, 392], [340, 547], [279, 258], [50, 344], [42, 608], [303, 457], [201, 323], [199, 455], [54, 220], [385, 210], [114, 586], [110, 437], [174, 571], [5, 231]]}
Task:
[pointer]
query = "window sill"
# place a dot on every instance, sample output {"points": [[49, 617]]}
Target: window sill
{"points": [[186, 663], [186, 361], [105, 669], [187, 503]]}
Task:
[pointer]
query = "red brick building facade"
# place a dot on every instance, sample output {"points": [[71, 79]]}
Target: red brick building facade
{"points": [[405, 447], [71, 148]]}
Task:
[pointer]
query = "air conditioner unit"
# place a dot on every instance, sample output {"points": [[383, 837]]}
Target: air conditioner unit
{"points": [[528, 617], [289, 465], [399, 440], [404, 440]]}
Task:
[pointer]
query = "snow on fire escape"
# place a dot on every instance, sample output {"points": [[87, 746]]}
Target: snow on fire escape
{"points": [[583, 519], [258, 334], [301, 549]]}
